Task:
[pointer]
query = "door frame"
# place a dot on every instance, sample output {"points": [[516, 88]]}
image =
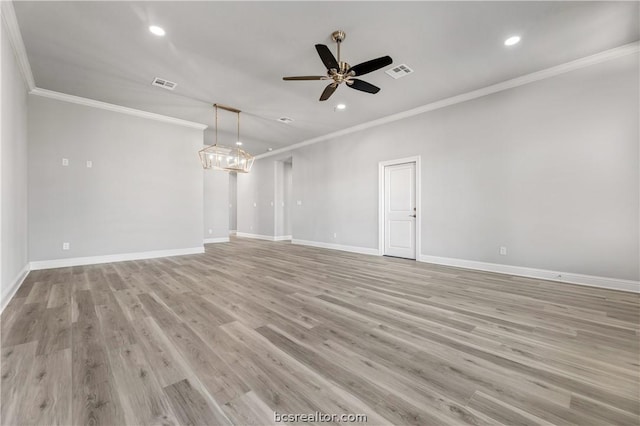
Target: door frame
{"points": [[381, 165]]}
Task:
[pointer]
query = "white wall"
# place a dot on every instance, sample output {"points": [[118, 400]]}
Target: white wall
{"points": [[13, 152], [233, 201], [279, 208], [256, 200], [216, 204], [283, 195], [144, 192], [287, 198], [548, 169]]}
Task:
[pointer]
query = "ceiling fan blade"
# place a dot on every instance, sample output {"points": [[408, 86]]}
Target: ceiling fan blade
{"points": [[328, 91], [307, 77], [372, 65], [327, 57], [363, 86]]}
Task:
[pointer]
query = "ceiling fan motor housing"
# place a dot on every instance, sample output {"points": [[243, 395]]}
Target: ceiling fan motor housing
{"points": [[338, 36]]}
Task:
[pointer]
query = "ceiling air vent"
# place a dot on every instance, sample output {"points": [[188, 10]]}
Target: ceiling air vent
{"points": [[285, 120], [165, 84], [399, 71]]}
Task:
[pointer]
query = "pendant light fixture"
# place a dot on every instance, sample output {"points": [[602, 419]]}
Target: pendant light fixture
{"points": [[229, 159]]}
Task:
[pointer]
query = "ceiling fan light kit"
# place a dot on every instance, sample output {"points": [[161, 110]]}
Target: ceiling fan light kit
{"points": [[339, 72], [220, 157]]}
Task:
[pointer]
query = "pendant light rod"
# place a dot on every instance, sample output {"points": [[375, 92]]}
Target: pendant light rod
{"points": [[216, 107], [227, 108]]}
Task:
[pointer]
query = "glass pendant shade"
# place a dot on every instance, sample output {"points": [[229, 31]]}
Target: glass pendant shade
{"points": [[219, 157]]}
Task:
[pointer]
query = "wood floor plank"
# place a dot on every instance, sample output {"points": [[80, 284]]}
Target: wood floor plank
{"points": [[60, 295], [254, 327], [140, 393], [191, 407], [56, 335], [249, 409], [49, 399], [502, 412], [94, 394], [27, 326], [16, 367]]}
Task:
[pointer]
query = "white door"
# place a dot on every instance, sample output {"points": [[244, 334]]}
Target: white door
{"points": [[400, 210]]}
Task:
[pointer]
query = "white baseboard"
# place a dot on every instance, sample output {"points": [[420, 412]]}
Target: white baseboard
{"points": [[566, 277], [216, 240], [14, 286], [255, 236], [232, 232], [352, 249], [263, 237], [92, 260]]}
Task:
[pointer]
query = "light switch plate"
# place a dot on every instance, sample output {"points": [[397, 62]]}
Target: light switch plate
{"points": [[299, 202], [89, 164], [65, 162]]}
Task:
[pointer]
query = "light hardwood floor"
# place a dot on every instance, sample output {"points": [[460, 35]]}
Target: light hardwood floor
{"points": [[252, 327]]}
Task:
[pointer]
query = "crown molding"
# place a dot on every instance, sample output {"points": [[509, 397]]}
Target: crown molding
{"points": [[117, 108], [15, 39], [597, 58]]}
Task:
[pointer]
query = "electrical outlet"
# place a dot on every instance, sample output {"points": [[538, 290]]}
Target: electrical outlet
{"points": [[272, 204], [251, 227], [65, 162], [335, 235], [503, 251], [89, 164], [65, 246], [210, 231], [299, 202]]}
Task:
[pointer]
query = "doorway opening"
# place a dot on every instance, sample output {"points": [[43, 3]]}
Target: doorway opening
{"points": [[283, 199], [399, 208]]}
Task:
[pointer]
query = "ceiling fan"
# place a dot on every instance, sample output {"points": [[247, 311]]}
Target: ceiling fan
{"points": [[342, 72]]}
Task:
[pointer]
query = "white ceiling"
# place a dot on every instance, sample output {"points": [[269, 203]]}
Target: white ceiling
{"points": [[235, 53]]}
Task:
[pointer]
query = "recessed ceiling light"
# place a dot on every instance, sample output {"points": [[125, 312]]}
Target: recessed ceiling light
{"points": [[341, 106], [238, 143], [285, 120], [269, 149], [157, 30], [512, 40]]}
